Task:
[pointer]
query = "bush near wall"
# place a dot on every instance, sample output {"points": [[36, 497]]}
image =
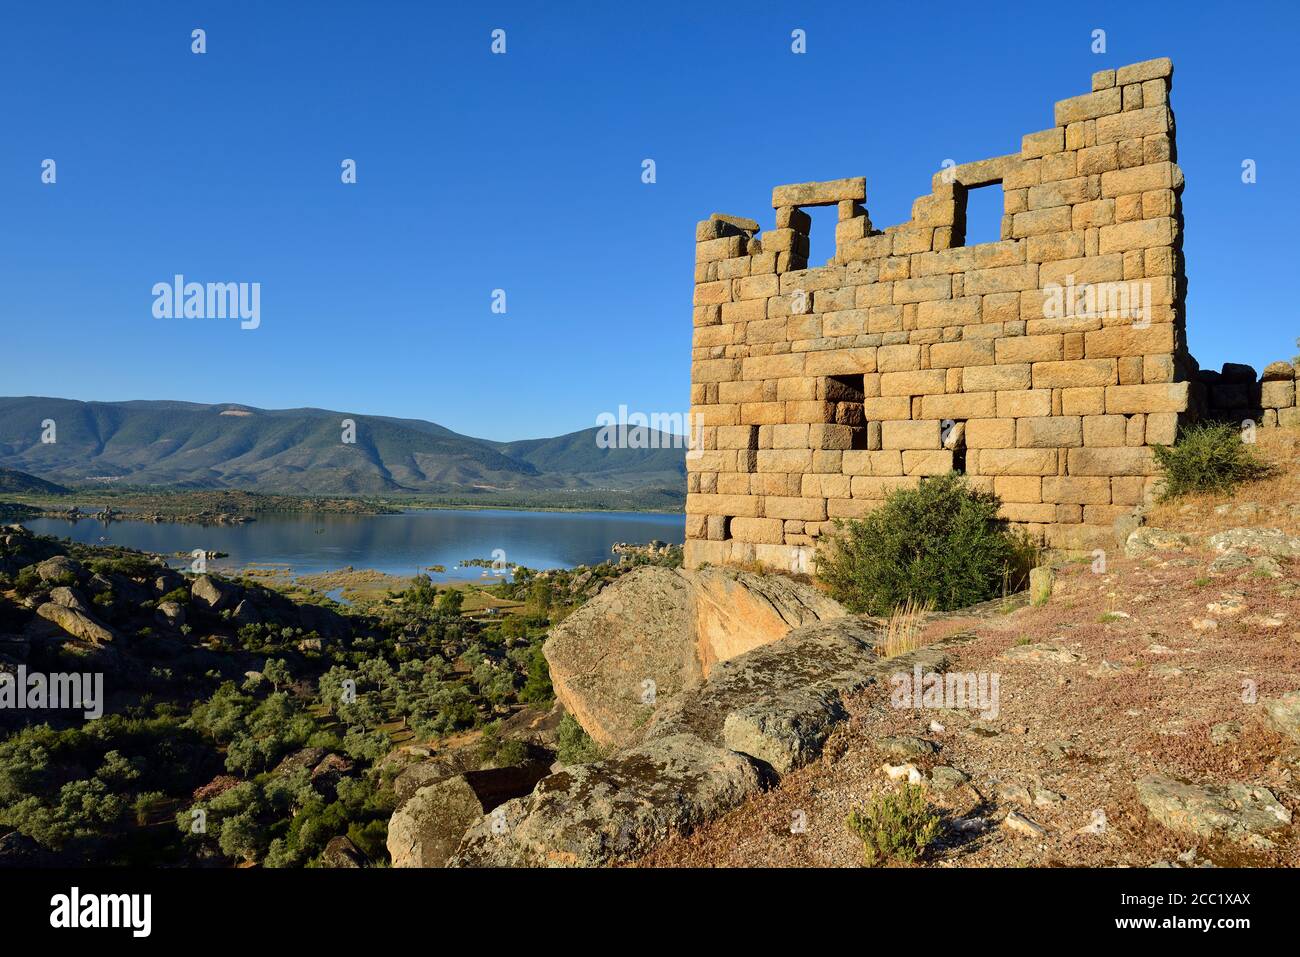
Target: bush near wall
{"points": [[941, 542]]}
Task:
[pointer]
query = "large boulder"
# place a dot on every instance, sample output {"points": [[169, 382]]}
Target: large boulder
{"points": [[341, 852], [170, 614], [435, 769], [657, 631], [213, 594], [425, 829], [77, 624], [60, 568], [779, 703], [69, 598], [613, 810]]}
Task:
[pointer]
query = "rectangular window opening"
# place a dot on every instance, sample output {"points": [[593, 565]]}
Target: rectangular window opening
{"points": [[979, 214]]}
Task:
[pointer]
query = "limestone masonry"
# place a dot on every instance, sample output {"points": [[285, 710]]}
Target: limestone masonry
{"points": [[1044, 366]]}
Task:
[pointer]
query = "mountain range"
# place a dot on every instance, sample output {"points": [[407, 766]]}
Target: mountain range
{"points": [[190, 445]]}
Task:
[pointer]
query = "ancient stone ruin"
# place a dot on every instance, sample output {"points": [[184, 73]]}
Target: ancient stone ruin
{"points": [[1044, 366]]}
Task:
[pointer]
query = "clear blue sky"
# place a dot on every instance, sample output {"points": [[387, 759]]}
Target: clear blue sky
{"points": [[523, 172]]}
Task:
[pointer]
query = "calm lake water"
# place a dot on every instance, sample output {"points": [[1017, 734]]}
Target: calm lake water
{"points": [[398, 544]]}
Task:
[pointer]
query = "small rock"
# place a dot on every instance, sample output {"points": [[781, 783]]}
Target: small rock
{"points": [[1204, 624], [1229, 561], [1015, 821], [1225, 732], [1015, 793], [341, 852], [1226, 608], [1266, 567], [1096, 824], [1039, 654], [905, 746], [1107, 669], [1046, 798], [944, 778], [902, 772], [1041, 580], [1060, 750]]}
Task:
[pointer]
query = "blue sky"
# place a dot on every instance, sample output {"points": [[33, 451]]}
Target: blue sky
{"points": [[522, 172]]}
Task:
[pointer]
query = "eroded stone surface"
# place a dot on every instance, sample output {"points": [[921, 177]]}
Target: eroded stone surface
{"points": [[1237, 812], [593, 814], [636, 646]]}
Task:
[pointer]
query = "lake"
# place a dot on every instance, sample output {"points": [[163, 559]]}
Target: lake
{"points": [[397, 544]]}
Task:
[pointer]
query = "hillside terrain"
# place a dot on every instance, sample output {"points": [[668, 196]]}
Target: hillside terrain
{"points": [[13, 482], [302, 451]]}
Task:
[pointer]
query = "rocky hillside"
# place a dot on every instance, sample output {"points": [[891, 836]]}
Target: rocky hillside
{"points": [[1142, 709], [301, 451]]}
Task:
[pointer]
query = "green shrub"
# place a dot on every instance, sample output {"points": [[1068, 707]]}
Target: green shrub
{"points": [[1210, 457], [897, 826], [501, 752], [537, 686], [574, 745], [939, 543], [28, 583], [179, 595]]}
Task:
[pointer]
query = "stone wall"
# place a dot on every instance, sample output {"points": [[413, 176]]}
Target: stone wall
{"points": [[1044, 366], [1235, 394]]}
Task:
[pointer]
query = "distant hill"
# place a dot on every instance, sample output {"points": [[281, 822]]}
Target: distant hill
{"points": [[13, 481], [189, 445]]}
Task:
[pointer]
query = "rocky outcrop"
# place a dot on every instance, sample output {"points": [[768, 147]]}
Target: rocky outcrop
{"points": [[1235, 812], [212, 594], [1272, 542], [757, 716], [1145, 540], [1282, 714], [170, 614], [60, 568], [341, 852], [437, 768], [592, 814], [658, 631], [425, 830], [777, 703], [77, 624], [69, 598]]}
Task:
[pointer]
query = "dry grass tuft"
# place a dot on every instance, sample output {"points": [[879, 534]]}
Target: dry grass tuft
{"points": [[903, 631]]}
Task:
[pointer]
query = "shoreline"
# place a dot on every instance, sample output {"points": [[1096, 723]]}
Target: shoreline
{"points": [[43, 509]]}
